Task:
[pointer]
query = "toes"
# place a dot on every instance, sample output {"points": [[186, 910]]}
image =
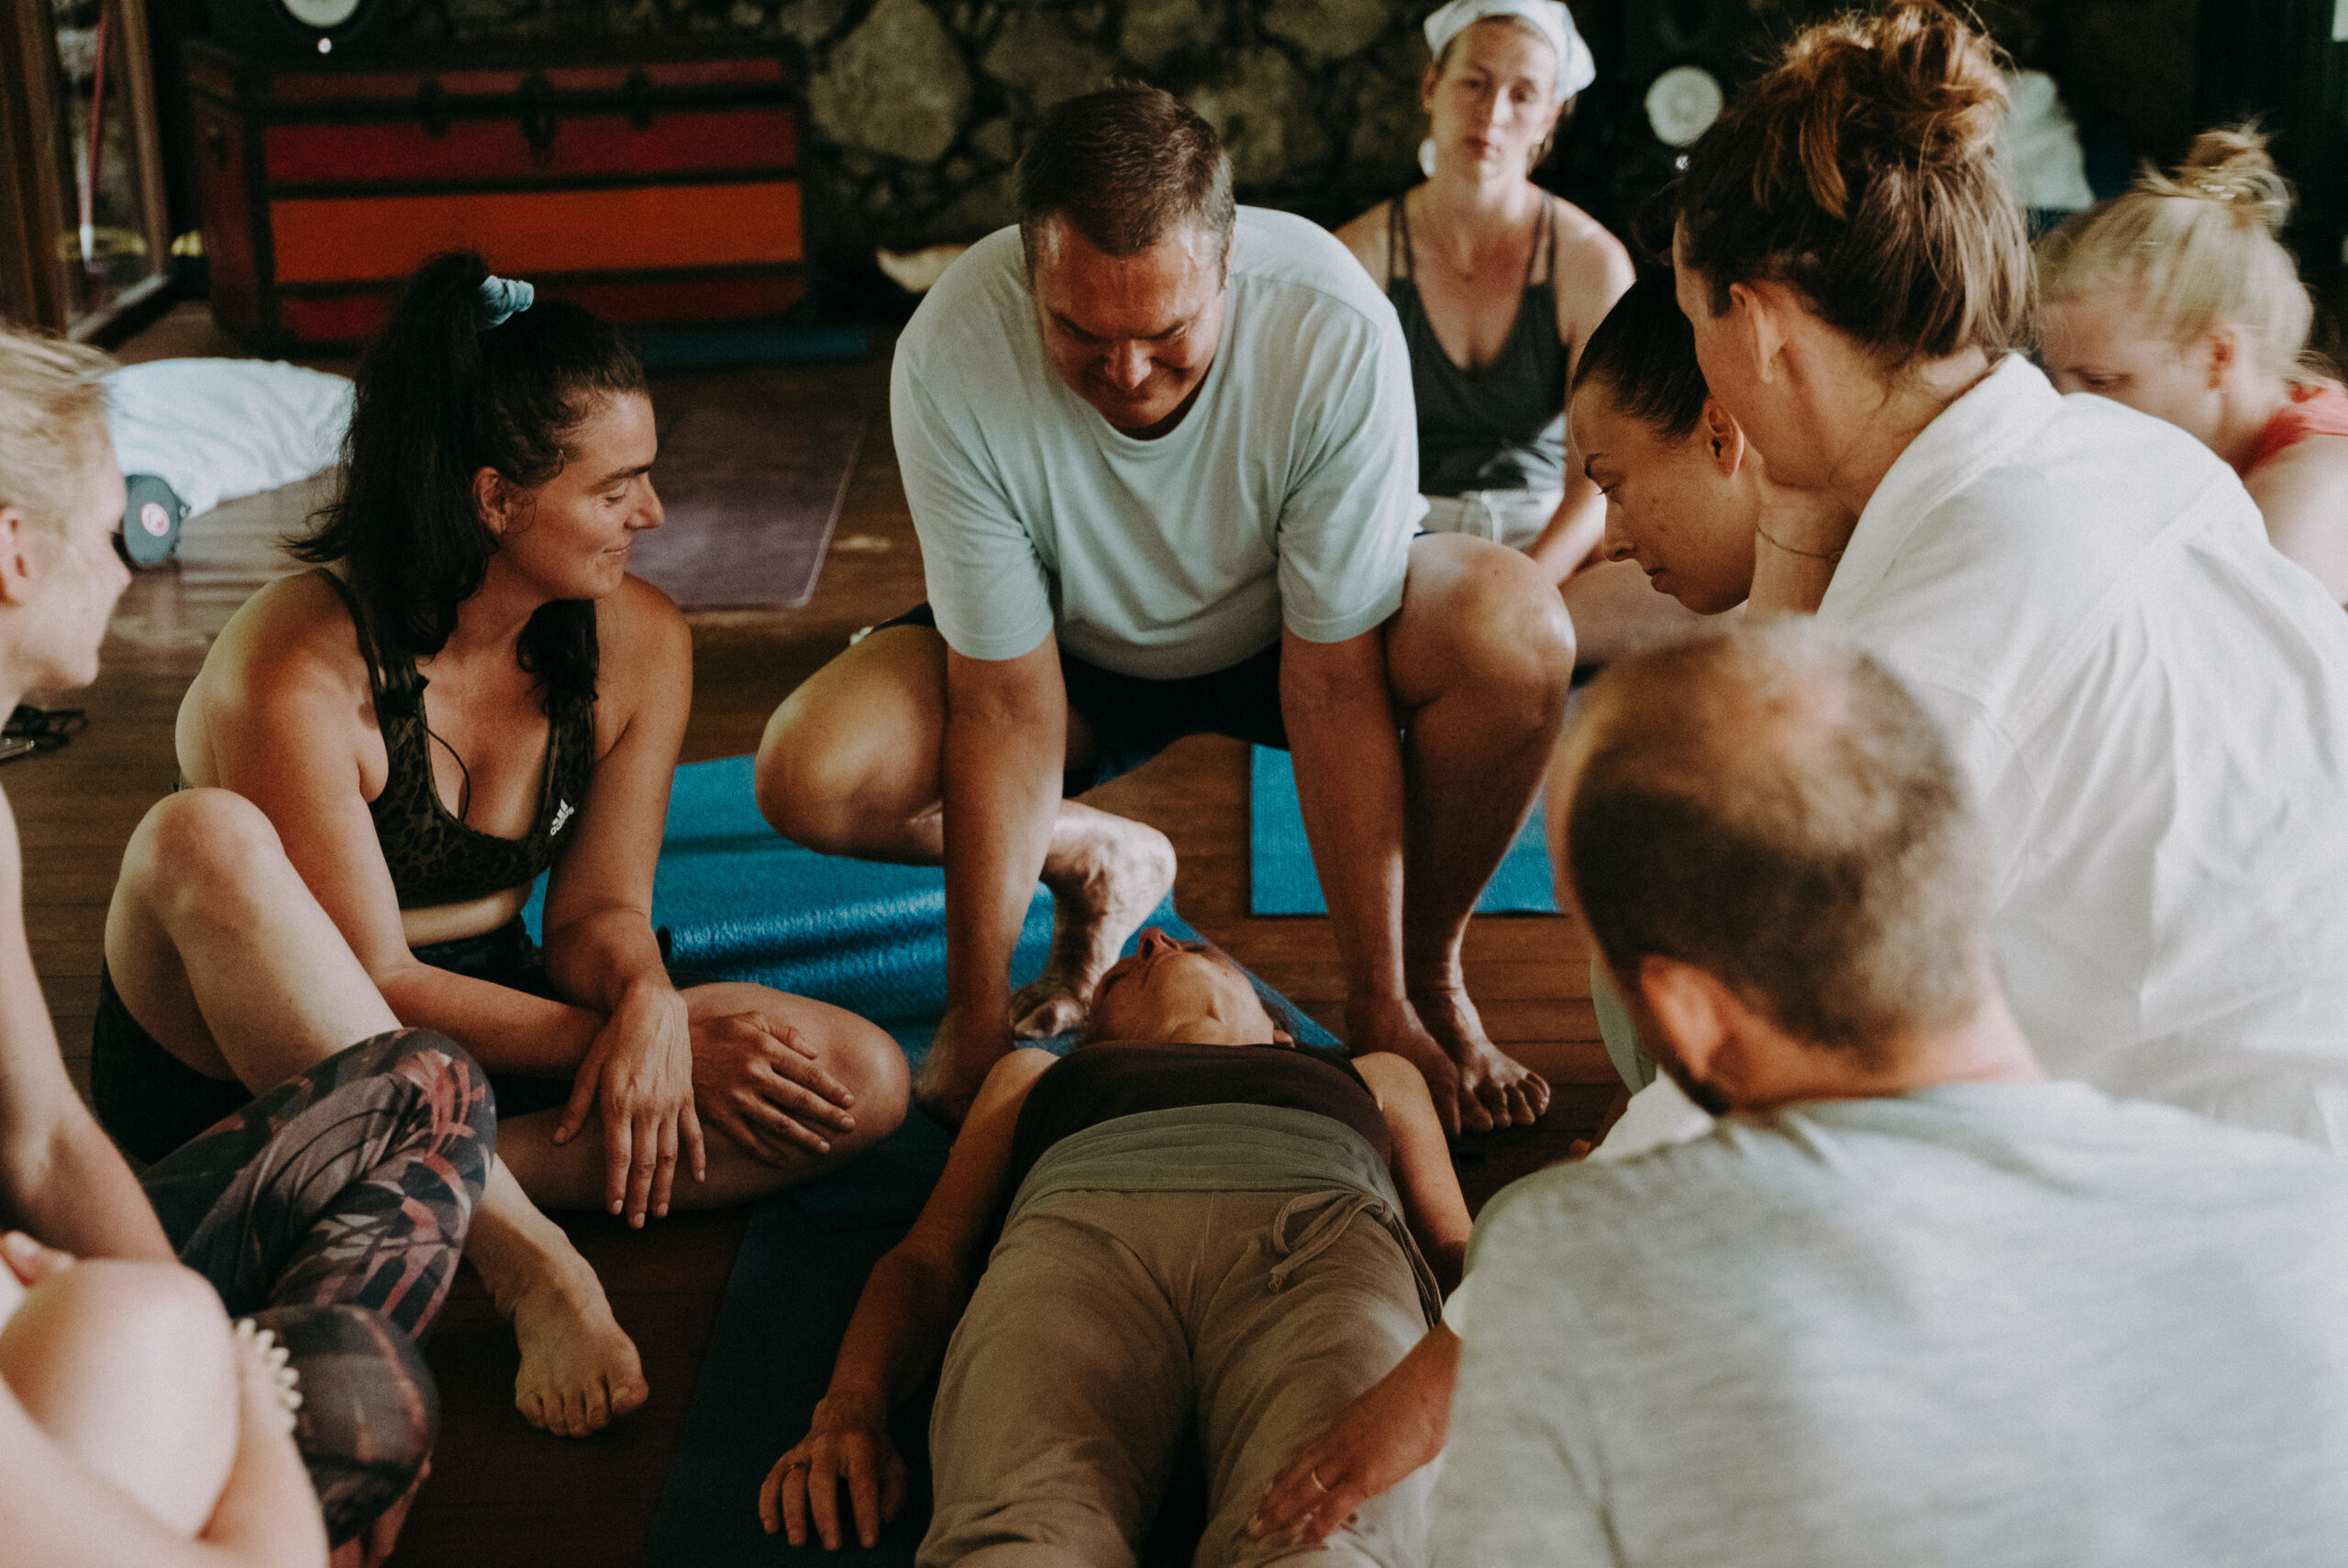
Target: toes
{"points": [[532, 1408], [1536, 1089], [630, 1394], [1473, 1115], [1056, 1016]]}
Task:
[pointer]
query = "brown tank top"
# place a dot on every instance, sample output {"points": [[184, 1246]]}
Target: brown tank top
{"points": [[434, 858], [1100, 1083]]}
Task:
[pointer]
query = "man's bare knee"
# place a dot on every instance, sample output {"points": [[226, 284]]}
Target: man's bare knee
{"points": [[803, 791], [852, 754], [1485, 616]]}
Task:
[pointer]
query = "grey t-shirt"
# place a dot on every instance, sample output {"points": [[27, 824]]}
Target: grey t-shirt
{"points": [[1288, 496], [1977, 1325]]}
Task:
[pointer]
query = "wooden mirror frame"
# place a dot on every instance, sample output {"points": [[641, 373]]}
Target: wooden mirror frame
{"points": [[36, 191]]}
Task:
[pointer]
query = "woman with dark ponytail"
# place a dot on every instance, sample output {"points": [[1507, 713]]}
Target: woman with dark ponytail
{"points": [[468, 691]]}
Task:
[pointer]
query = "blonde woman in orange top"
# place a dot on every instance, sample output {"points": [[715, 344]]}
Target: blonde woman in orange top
{"points": [[2179, 299]]}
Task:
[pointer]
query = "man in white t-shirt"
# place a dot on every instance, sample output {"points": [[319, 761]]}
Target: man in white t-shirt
{"points": [[1160, 456], [1907, 1301]]}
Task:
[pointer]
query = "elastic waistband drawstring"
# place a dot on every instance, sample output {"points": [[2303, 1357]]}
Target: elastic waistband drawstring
{"points": [[1332, 1211]]}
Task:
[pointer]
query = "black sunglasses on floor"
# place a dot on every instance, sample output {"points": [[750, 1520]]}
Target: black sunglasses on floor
{"points": [[31, 729]]}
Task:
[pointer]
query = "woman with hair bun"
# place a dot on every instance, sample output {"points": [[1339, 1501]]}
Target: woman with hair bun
{"points": [[2082, 595], [2178, 299], [468, 690]]}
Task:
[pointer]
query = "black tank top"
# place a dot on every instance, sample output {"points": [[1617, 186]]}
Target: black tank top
{"points": [[1100, 1083], [1498, 426], [434, 858]]}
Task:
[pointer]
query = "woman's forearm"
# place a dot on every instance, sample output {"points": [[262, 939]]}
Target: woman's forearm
{"points": [[908, 1310], [598, 955], [505, 1029], [1569, 540], [85, 1200]]}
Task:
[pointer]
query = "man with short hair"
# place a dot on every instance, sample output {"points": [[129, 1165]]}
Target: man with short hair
{"points": [[1160, 456], [1909, 1302]]}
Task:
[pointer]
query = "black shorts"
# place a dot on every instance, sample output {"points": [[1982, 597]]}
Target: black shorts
{"points": [[1133, 718], [151, 1102]]}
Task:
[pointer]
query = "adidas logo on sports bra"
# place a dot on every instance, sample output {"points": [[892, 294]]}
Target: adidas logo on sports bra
{"points": [[562, 815]]}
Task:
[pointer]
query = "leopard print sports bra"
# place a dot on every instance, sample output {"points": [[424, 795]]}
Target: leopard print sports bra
{"points": [[435, 858]]}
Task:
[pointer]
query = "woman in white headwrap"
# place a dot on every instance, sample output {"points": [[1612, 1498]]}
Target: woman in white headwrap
{"points": [[1498, 284]]}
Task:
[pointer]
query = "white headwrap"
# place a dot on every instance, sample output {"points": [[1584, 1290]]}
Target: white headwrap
{"points": [[1576, 67]]}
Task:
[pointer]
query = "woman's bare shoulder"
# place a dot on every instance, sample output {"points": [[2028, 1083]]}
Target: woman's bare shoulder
{"points": [[295, 628], [1593, 269], [639, 631], [1365, 238]]}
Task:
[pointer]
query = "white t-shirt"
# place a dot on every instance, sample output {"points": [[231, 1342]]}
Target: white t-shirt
{"points": [[1286, 495], [2001, 1326], [2153, 704]]}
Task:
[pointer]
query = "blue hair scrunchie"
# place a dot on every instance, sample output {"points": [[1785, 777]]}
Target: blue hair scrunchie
{"points": [[501, 299]]}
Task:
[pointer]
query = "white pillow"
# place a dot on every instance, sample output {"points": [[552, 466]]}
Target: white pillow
{"points": [[216, 429]]}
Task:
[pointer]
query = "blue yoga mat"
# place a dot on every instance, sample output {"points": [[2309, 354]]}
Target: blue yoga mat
{"points": [[742, 903], [1281, 880]]}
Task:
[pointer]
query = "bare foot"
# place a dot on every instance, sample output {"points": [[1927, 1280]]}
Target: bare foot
{"points": [[1391, 1024], [960, 1056], [1106, 874], [1507, 1092], [579, 1369]]}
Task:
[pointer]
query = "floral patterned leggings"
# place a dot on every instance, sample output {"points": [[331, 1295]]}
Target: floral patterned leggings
{"points": [[332, 1209]]}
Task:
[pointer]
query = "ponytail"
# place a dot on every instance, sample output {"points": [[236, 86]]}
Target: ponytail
{"points": [[441, 396]]}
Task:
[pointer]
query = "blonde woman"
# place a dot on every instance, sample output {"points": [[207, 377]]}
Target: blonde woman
{"points": [[1498, 284], [2178, 299]]}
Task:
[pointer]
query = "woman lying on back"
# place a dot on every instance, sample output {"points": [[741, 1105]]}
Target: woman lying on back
{"points": [[2178, 299], [470, 691], [1191, 1229]]}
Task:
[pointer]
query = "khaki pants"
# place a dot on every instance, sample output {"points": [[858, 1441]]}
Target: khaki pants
{"points": [[1108, 1325]]}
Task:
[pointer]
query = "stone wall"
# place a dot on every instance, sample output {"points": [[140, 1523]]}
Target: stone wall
{"points": [[917, 109]]}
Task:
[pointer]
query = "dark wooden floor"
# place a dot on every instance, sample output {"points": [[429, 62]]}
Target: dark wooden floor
{"points": [[503, 1492]]}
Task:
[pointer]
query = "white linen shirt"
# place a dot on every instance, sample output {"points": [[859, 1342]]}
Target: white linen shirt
{"points": [[2153, 704], [1288, 495]]}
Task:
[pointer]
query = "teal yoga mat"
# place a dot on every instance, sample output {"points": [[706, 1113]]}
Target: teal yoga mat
{"points": [[742, 903], [1281, 880]]}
